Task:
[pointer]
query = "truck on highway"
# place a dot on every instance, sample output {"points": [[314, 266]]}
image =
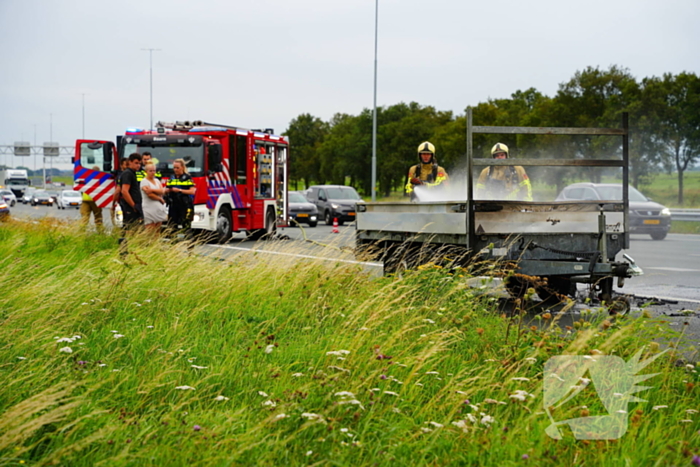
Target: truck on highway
{"points": [[240, 174], [16, 180], [547, 245]]}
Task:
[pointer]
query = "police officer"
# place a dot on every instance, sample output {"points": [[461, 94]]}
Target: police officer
{"points": [[427, 172], [503, 182], [146, 158], [180, 195]]}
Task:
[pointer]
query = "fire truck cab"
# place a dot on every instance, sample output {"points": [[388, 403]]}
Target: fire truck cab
{"points": [[240, 175]]}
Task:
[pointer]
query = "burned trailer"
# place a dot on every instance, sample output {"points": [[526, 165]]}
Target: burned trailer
{"points": [[548, 245]]}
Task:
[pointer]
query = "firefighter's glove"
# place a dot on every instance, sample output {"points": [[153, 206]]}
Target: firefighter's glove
{"points": [[416, 181]]}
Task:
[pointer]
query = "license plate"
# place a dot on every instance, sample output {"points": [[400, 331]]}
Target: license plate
{"points": [[302, 215], [73, 204], [652, 221], [351, 214]]}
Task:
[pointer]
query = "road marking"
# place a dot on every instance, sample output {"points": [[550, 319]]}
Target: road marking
{"points": [[675, 299], [672, 269], [295, 255]]}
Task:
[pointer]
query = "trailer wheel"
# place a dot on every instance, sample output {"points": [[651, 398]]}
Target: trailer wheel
{"points": [[556, 290], [224, 225]]}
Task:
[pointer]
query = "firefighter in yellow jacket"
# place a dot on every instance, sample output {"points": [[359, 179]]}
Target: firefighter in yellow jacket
{"points": [[427, 173], [503, 182]]}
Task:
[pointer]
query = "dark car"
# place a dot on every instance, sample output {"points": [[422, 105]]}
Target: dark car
{"points": [[42, 197], [301, 210], [334, 202], [645, 216], [4, 210]]}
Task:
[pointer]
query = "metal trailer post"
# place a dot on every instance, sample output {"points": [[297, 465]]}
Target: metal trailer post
{"points": [[471, 235]]}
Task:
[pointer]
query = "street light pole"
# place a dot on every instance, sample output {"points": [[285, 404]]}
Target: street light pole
{"points": [[150, 62], [83, 94], [374, 113]]}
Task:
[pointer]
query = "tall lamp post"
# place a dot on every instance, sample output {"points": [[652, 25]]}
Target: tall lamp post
{"points": [[374, 113], [83, 94], [150, 61]]}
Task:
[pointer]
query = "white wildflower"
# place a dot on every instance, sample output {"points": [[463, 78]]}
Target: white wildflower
{"points": [[136, 303], [585, 381], [115, 371], [77, 337], [390, 393], [419, 384], [430, 321], [339, 353], [114, 332], [396, 410], [487, 420], [221, 398], [65, 339], [297, 375], [118, 336], [185, 388], [308, 453], [270, 403], [364, 329], [471, 418], [432, 373], [84, 303], [263, 393], [310, 416], [280, 416], [21, 358], [65, 350], [461, 424], [686, 421], [352, 402], [489, 360], [197, 367], [493, 401], [621, 411], [102, 364], [436, 424], [691, 411], [531, 360], [375, 390], [519, 397], [269, 348], [425, 429], [149, 327], [333, 367], [344, 394], [521, 378], [657, 407]]}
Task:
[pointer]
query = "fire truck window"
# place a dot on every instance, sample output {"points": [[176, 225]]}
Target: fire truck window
{"points": [[89, 156], [241, 153]]}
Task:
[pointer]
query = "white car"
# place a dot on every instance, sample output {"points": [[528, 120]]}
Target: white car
{"points": [[69, 199], [28, 193], [9, 197]]}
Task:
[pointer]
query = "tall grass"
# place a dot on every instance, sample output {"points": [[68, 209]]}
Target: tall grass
{"points": [[178, 359]]}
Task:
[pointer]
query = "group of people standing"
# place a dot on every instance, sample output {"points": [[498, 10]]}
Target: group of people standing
{"points": [[144, 200], [498, 182]]}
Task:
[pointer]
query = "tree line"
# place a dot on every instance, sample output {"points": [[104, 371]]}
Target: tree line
{"points": [[664, 120]]}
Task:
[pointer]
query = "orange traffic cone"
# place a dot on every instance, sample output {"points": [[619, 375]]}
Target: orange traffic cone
{"points": [[335, 225]]}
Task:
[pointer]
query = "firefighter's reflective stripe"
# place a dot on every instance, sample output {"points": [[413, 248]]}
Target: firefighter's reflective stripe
{"points": [[426, 170]]}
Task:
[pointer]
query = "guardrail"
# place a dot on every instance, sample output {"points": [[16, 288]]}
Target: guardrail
{"points": [[685, 215]]}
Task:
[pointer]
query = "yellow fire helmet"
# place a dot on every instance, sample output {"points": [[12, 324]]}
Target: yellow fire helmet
{"points": [[426, 147], [499, 148]]}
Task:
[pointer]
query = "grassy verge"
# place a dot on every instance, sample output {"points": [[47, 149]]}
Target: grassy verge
{"points": [[164, 358], [685, 227]]}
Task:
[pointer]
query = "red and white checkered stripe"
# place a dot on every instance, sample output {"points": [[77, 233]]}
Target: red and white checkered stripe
{"points": [[101, 193]]}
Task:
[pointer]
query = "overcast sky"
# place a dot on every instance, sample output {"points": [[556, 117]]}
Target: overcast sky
{"points": [[259, 64]]}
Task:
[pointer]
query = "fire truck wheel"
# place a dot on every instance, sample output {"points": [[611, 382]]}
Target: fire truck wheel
{"points": [[223, 225]]}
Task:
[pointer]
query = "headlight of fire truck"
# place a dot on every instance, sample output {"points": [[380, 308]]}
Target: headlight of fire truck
{"points": [[198, 217]]}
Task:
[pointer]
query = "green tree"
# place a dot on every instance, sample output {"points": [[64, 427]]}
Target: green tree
{"points": [[676, 102], [305, 133]]}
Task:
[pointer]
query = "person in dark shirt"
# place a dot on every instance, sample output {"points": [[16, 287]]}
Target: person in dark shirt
{"points": [[180, 191], [130, 200]]}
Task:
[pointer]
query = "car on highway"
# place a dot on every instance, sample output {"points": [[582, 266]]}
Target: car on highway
{"points": [[8, 197], [301, 211], [4, 211], [41, 197], [334, 202], [645, 215], [27, 196], [69, 199]]}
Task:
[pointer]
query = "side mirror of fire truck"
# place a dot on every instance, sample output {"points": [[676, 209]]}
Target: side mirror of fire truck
{"points": [[214, 158]]}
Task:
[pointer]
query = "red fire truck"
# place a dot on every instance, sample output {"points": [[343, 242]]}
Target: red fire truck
{"points": [[240, 174]]}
